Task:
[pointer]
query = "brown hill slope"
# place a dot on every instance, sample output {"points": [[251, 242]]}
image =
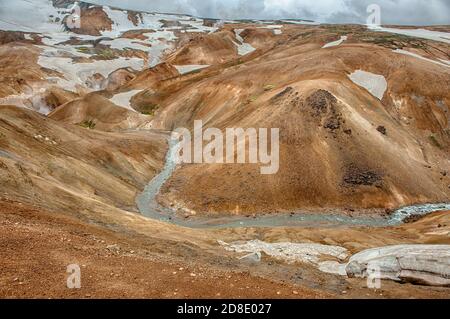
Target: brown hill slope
{"points": [[96, 111], [357, 152], [207, 49], [55, 165]]}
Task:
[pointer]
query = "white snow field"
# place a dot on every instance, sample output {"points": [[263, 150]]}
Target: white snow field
{"points": [[156, 44], [374, 83], [46, 21], [418, 33], [30, 16], [76, 74]]}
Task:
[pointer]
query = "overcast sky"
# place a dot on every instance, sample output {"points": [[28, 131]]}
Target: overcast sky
{"points": [[413, 12]]}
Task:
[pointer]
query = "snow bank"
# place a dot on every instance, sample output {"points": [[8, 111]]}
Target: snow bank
{"points": [[30, 16], [335, 43], [422, 58], [426, 264], [374, 83], [291, 252], [243, 48]]}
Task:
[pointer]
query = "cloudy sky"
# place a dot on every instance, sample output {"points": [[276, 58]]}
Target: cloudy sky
{"points": [[414, 12]]}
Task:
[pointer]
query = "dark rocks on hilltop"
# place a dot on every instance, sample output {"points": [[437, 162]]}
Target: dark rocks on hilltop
{"points": [[382, 130], [320, 101]]}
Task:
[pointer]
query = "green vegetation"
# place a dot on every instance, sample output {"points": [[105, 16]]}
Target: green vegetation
{"points": [[106, 54], [435, 141], [89, 124], [269, 87], [149, 109], [252, 99], [83, 49]]}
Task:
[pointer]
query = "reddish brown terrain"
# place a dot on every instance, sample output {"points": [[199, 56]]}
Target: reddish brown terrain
{"points": [[85, 117]]}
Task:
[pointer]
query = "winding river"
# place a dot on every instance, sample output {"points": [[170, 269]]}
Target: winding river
{"points": [[149, 207]]}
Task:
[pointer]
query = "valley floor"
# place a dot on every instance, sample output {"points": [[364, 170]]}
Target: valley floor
{"points": [[38, 245]]}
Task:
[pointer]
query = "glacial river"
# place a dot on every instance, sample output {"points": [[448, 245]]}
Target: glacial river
{"points": [[149, 207]]}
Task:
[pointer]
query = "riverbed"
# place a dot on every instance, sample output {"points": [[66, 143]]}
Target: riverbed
{"points": [[149, 207]]}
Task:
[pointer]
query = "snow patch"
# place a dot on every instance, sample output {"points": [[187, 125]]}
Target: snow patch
{"points": [[301, 22], [183, 69], [121, 22], [335, 43], [32, 100], [76, 74], [277, 31], [160, 41], [309, 253], [124, 99], [196, 25], [374, 83], [422, 58], [123, 43], [243, 48]]}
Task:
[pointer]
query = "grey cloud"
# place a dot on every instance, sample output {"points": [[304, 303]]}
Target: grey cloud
{"points": [[413, 12]]}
